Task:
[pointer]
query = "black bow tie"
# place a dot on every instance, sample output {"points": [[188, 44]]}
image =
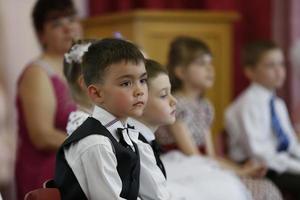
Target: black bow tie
{"points": [[121, 137]]}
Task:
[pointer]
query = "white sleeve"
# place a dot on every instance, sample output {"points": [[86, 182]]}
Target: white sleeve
{"points": [[153, 185], [294, 148], [96, 171], [251, 121]]}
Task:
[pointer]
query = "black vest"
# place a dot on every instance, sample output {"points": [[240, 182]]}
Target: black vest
{"points": [[157, 151], [128, 164]]}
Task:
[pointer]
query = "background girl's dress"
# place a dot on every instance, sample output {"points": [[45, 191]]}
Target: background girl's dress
{"points": [[198, 116], [34, 167], [196, 178]]}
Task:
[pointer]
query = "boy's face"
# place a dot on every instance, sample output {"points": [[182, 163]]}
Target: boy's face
{"points": [[161, 106], [58, 33], [200, 73], [124, 90], [270, 71]]}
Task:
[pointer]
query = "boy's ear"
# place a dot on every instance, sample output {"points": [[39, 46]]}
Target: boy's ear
{"points": [[95, 93], [41, 38], [178, 71], [249, 72]]}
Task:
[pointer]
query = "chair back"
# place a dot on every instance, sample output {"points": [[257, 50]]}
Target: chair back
{"points": [[43, 194]]}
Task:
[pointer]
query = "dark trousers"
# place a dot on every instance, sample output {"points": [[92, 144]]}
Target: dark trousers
{"points": [[288, 183]]}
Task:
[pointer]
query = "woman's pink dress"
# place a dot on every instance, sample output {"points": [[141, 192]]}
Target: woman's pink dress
{"points": [[33, 166]]}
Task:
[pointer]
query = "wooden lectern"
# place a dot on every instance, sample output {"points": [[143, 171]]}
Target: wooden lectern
{"points": [[154, 30]]}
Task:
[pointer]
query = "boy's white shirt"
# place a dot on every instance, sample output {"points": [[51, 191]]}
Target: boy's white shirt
{"points": [[149, 168], [248, 122], [143, 129], [94, 164]]}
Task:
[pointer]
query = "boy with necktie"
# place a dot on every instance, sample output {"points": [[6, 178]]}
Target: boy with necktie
{"points": [[258, 123]]}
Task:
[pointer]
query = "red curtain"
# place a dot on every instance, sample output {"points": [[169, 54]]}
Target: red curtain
{"points": [[255, 20]]}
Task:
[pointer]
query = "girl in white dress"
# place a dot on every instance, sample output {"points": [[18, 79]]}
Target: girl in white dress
{"points": [[209, 181]]}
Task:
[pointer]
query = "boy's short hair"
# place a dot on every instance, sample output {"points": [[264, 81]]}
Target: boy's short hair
{"points": [[45, 10], [253, 52], [103, 54], [154, 68]]}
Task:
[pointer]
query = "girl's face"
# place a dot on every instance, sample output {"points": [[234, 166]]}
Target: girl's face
{"points": [[161, 106], [58, 34], [200, 73]]}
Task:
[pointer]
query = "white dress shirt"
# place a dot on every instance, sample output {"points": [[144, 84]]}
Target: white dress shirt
{"points": [[248, 123], [94, 163]]}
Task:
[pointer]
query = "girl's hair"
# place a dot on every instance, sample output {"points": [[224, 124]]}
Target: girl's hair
{"points": [[45, 10], [106, 52], [72, 69], [154, 68], [183, 51]]}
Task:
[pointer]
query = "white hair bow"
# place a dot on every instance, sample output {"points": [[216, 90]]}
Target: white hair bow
{"points": [[76, 53]]}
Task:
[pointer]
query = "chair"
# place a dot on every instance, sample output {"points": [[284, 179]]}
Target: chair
{"points": [[43, 194], [49, 184]]}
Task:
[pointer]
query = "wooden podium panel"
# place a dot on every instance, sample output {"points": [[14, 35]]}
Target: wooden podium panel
{"points": [[154, 30]]}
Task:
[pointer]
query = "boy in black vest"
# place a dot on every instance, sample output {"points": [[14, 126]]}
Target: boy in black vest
{"points": [[101, 160]]}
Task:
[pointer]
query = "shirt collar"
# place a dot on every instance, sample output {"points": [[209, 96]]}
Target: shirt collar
{"points": [[112, 123], [143, 129], [263, 91]]}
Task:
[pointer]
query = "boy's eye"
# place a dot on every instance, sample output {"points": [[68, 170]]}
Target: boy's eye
{"points": [[144, 80], [72, 18], [270, 65], [56, 23], [200, 63], [126, 84]]}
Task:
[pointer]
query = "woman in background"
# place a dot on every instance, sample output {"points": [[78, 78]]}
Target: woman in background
{"points": [[43, 100]]}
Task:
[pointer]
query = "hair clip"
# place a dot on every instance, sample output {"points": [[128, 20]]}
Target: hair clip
{"points": [[118, 35], [76, 53]]}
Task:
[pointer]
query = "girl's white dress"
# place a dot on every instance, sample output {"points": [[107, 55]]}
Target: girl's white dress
{"points": [[196, 177], [198, 115]]}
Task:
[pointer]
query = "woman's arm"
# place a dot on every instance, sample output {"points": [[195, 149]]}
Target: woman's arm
{"points": [[183, 138], [38, 104]]}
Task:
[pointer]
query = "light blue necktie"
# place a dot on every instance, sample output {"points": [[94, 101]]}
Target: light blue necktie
{"points": [[282, 138]]}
